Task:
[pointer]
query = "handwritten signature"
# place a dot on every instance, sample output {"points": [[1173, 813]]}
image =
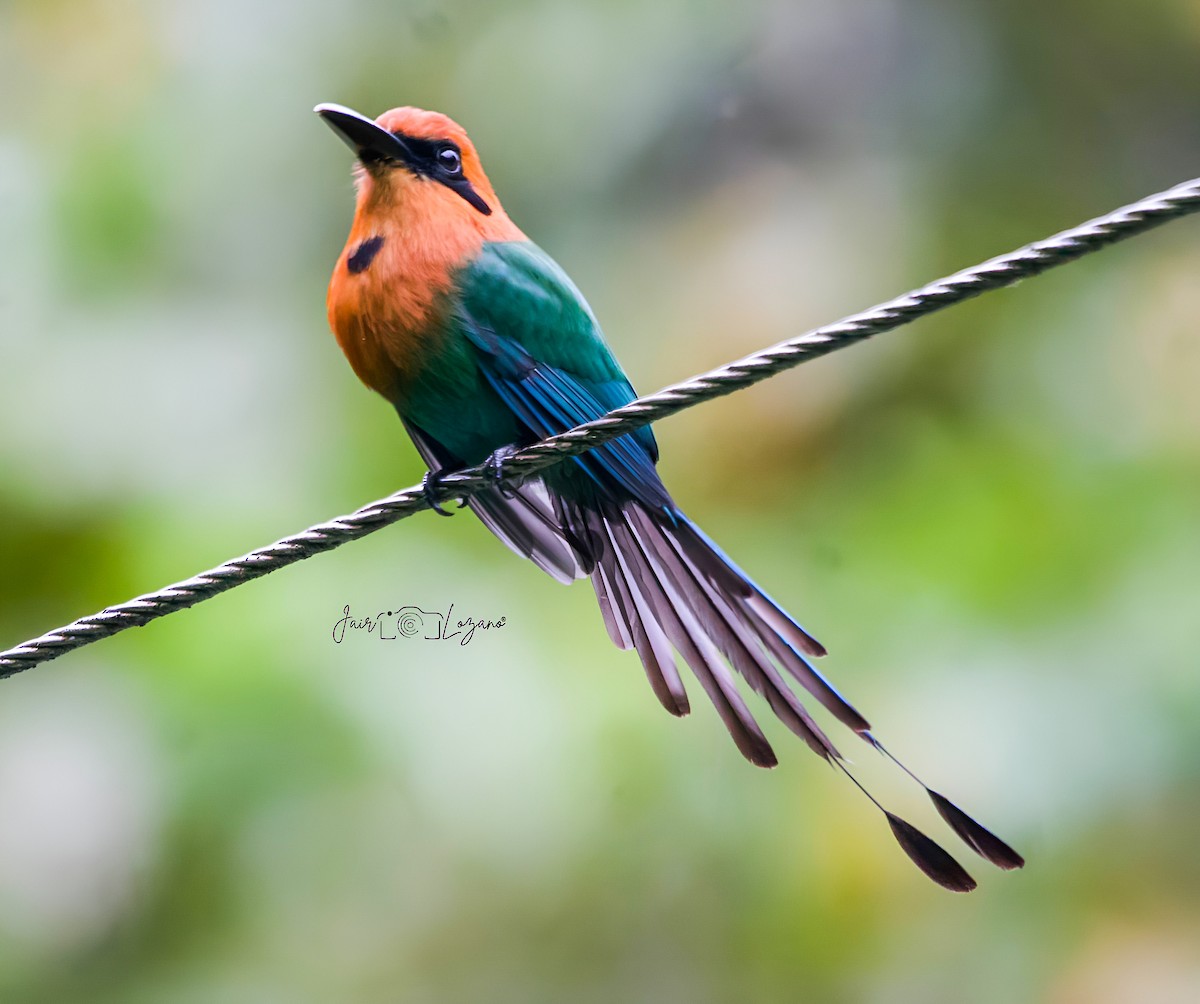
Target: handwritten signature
{"points": [[413, 622]]}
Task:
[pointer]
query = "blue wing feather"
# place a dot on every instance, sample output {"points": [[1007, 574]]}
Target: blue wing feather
{"points": [[549, 400]]}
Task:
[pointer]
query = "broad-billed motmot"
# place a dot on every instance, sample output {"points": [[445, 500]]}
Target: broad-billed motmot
{"points": [[482, 343]]}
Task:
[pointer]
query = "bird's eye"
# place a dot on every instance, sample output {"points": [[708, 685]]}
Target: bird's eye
{"points": [[449, 160]]}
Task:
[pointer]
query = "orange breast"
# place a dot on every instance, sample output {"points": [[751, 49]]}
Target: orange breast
{"points": [[388, 317]]}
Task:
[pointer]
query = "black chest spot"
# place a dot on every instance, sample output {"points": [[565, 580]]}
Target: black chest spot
{"points": [[364, 254]]}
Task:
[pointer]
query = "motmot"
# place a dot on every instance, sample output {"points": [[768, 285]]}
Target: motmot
{"points": [[483, 344]]}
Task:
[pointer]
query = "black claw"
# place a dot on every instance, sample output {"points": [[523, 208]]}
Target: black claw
{"points": [[495, 464], [429, 487]]}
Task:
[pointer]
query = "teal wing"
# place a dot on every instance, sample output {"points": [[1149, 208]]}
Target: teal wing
{"points": [[539, 348]]}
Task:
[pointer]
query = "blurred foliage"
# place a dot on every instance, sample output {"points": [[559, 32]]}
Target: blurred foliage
{"points": [[990, 517]]}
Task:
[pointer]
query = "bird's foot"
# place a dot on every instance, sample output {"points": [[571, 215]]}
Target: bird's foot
{"points": [[431, 485], [495, 466]]}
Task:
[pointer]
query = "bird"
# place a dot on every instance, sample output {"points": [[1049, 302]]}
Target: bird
{"points": [[483, 344]]}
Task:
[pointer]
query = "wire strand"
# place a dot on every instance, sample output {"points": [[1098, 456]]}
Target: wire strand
{"points": [[995, 273]]}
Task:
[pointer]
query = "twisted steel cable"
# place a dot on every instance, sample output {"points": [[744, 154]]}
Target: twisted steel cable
{"points": [[995, 273]]}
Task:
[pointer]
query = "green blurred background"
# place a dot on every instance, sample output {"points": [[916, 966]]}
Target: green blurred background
{"points": [[990, 517]]}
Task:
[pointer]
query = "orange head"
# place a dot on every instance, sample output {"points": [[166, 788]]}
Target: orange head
{"points": [[417, 164], [424, 210]]}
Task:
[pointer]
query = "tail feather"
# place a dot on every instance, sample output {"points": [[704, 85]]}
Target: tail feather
{"points": [[784, 638], [639, 619], [615, 605], [723, 573], [712, 609], [664, 587], [525, 521], [689, 638]]}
